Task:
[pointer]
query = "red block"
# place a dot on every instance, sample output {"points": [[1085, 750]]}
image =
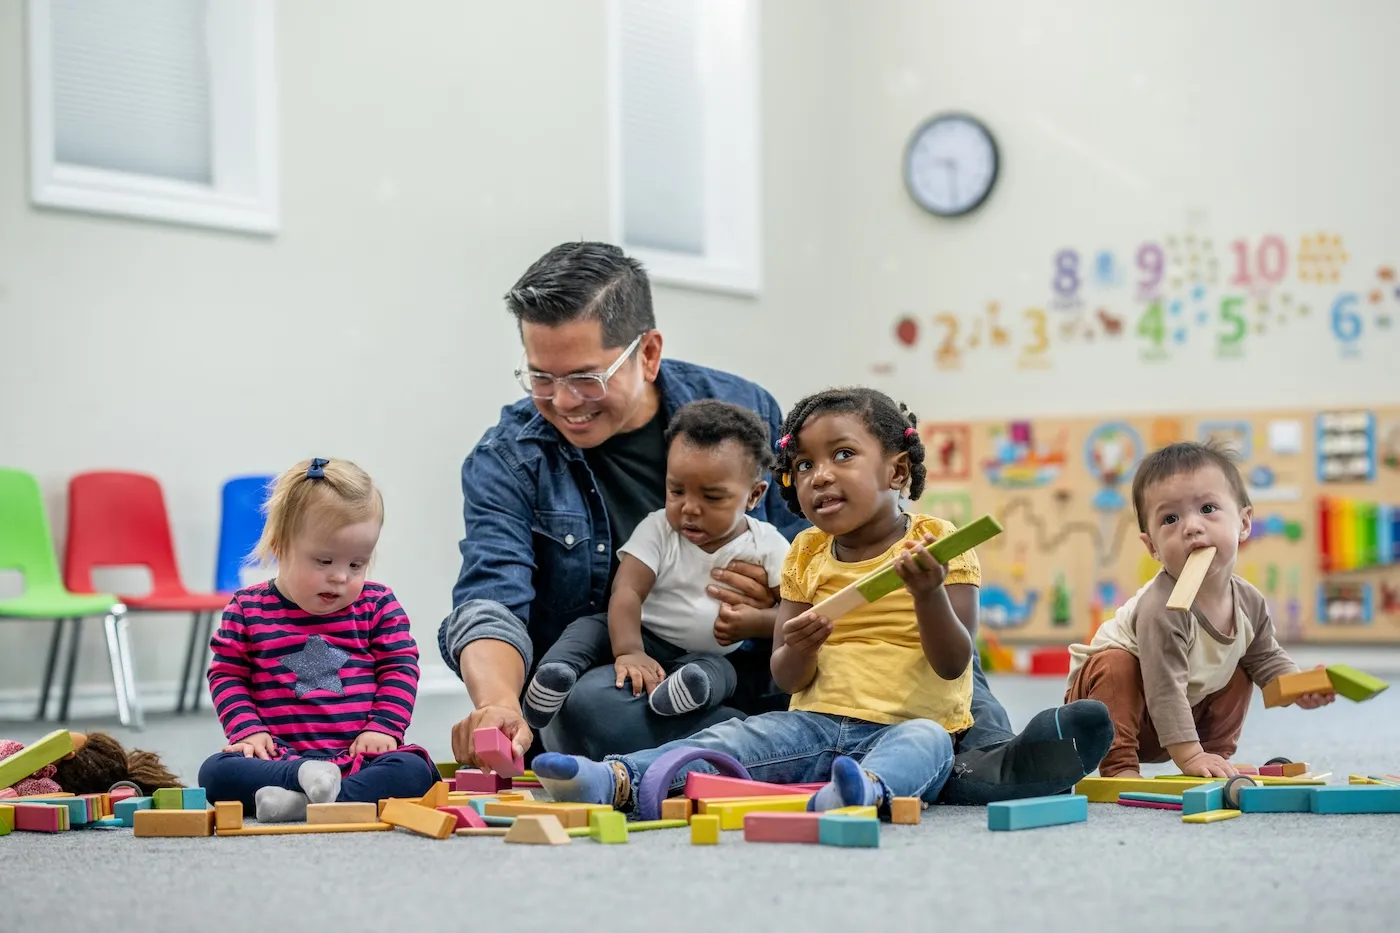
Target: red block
{"points": [[472, 781], [782, 827], [1050, 661], [493, 747], [1271, 770], [700, 785], [467, 818], [40, 817]]}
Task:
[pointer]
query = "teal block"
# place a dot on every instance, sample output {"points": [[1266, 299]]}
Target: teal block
{"points": [[169, 798], [479, 804], [193, 798], [125, 810], [1277, 798], [1035, 812], [1172, 799], [110, 822], [498, 820], [1356, 798], [842, 829], [1203, 798], [77, 808]]}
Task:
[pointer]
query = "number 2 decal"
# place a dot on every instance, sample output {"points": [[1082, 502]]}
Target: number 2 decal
{"points": [[947, 354]]}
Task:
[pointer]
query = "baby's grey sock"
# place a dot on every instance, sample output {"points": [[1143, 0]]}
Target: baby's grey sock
{"points": [[320, 780], [279, 805]]}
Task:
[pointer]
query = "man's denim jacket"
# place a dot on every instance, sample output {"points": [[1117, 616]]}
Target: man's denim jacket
{"points": [[537, 548]]}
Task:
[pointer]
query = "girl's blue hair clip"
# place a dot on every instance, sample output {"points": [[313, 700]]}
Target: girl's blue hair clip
{"points": [[316, 470]]}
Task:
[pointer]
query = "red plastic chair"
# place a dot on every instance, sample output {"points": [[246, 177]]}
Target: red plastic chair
{"points": [[119, 519]]}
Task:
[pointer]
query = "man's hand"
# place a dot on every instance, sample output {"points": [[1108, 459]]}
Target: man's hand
{"points": [[1204, 764], [257, 745], [505, 718], [742, 584], [806, 633], [639, 667], [373, 743]]}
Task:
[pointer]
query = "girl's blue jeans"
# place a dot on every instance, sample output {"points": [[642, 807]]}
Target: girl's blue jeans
{"points": [[907, 759]]}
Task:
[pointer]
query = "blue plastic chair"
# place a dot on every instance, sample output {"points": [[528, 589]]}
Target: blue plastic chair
{"points": [[240, 527]]}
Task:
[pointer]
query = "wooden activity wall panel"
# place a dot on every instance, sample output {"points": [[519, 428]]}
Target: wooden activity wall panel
{"points": [[1325, 548]]}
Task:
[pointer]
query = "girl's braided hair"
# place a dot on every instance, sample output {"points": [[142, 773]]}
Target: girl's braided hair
{"points": [[891, 423]]}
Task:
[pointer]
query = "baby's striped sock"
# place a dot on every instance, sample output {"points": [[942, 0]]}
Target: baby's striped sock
{"points": [[547, 691], [685, 691]]}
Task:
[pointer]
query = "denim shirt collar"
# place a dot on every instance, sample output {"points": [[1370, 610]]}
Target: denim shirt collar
{"points": [[674, 394]]}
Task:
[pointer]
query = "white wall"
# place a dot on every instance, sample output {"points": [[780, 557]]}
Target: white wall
{"points": [[429, 152]]}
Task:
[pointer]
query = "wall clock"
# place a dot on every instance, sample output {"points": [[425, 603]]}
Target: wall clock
{"points": [[951, 164]]}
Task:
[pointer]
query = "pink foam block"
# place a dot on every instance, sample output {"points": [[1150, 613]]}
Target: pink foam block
{"points": [[122, 793], [7, 792], [1149, 804], [493, 747], [700, 786], [38, 817], [472, 781], [782, 827], [1271, 770], [467, 818]]}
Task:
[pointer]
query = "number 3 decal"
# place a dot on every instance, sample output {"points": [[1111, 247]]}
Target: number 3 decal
{"points": [[1042, 337]]}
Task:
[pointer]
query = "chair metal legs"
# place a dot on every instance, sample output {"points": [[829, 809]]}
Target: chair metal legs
{"points": [[123, 676], [73, 642], [203, 669], [49, 668]]}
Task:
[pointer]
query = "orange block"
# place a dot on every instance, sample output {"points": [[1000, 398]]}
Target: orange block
{"points": [[421, 820], [173, 823], [675, 808], [1284, 689], [905, 809]]}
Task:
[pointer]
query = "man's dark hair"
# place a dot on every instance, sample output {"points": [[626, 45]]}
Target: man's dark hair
{"points": [[577, 281], [707, 423], [1185, 457]]}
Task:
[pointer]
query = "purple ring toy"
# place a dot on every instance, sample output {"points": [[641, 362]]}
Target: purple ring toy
{"points": [[657, 781]]}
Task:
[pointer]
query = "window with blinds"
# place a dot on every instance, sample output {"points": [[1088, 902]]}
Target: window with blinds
{"points": [[685, 140], [160, 109]]}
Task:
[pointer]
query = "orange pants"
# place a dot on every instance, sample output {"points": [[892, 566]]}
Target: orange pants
{"points": [[1114, 677]]}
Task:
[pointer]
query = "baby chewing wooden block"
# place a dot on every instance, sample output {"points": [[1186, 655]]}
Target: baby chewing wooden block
{"points": [[1197, 564]]}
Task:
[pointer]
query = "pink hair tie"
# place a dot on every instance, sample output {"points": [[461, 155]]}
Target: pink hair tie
{"points": [[910, 432], [783, 441]]}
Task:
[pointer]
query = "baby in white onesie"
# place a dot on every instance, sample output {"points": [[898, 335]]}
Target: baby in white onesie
{"points": [[661, 626]]}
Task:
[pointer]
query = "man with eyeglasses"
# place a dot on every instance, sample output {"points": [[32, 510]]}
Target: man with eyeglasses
{"points": [[560, 482]]}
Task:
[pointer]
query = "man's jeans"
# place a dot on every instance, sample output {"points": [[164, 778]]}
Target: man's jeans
{"points": [[910, 759]]}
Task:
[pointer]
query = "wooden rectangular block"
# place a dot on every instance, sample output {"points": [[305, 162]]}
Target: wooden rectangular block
{"points": [[421, 820], [107, 822], [77, 807], [607, 826], [446, 769], [34, 756], [487, 831], [868, 812], [123, 793], [1209, 816], [848, 831], [7, 819], [699, 786], [1355, 685], [1189, 582], [675, 808], [305, 829], [494, 747], [1035, 812], [641, 826], [1356, 798], [193, 798], [319, 814], [39, 817], [169, 798], [472, 781], [766, 826], [1142, 797], [538, 829], [568, 814], [1148, 804], [731, 814], [228, 814], [1286, 688], [1106, 790], [906, 810], [126, 809], [1271, 771], [173, 823], [1277, 799], [436, 796], [704, 830], [466, 817], [1203, 798]]}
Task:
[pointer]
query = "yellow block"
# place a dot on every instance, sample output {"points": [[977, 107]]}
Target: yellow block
{"points": [[570, 815], [704, 829], [1210, 816], [299, 829], [731, 815], [706, 804], [854, 811], [1106, 790]]}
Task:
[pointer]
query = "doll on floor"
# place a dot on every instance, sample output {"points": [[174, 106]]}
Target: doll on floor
{"points": [[96, 763]]}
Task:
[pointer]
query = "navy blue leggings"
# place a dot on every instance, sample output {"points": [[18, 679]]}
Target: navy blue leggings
{"points": [[231, 776]]}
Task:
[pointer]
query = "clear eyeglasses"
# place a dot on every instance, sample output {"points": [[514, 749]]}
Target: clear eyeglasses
{"points": [[587, 386]]}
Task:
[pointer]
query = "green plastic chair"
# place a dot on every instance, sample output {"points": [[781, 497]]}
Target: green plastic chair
{"points": [[26, 545]]}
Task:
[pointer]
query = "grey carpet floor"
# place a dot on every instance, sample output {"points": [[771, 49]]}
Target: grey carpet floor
{"points": [[1122, 870]]}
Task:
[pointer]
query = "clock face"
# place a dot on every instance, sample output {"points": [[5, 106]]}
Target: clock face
{"points": [[951, 165]]}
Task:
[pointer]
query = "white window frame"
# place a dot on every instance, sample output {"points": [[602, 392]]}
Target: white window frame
{"points": [[733, 160], [243, 89]]}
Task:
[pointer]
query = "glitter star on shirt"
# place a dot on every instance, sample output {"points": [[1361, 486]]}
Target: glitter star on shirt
{"points": [[317, 666]]}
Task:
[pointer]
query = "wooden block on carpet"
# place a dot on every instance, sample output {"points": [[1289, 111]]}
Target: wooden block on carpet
{"points": [[173, 823], [422, 820], [906, 810], [1035, 812], [780, 827], [494, 747], [228, 814], [538, 829], [34, 756], [676, 808], [1209, 816]]}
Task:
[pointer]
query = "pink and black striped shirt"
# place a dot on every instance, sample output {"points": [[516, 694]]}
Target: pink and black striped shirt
{"points": [[314, 682]]}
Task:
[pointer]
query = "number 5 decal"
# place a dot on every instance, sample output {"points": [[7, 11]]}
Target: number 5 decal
{"points": [[1235, 324]]}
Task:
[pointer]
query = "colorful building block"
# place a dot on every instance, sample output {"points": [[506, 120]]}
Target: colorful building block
{"points": [[848, 831], [78, 813], [569, 814], [1277, 799], [607, 826], [324, 813], [1355, 685], [704, 830], [1356, 798], [15, 768], [1173, 800], [731, 811], [676, 808], [172, 823], [228, 814], [446, 769], [193, 798], [1148, 804], [1106, 790], [641, 826], [466, 818], [1035, 812], [107, 822], [471, 781], [300, 829], [1209, 816], [1286, 688], [39, 817], [700, 785], [7, 819], [421, 820], [869, 812], [494, 747], [169, 798], [906, 810], [1203, 798], [537, 829], [780, 827], [126, 809]]}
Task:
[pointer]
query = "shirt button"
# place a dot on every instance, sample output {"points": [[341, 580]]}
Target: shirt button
{"points": [[569, 540], [600, 549]]}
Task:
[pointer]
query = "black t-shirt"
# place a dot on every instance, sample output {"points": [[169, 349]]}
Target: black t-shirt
{"points": [[630, 470]]}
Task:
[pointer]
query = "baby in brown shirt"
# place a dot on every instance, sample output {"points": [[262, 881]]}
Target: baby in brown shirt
{"points": [[1178, 683]]}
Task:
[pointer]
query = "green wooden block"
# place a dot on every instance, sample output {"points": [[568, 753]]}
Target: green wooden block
{"points": [[848, 831], [7, 819], [27, 760], [448, 769], [1353, 684], [607, 826], [1202, 799], [944, 549], [169, 798]]}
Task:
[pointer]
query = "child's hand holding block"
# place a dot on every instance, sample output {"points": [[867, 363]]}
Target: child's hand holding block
{"points": [[1285, 689], [494, 747]]}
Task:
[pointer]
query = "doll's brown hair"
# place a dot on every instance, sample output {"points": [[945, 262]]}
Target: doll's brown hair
{"points": [[102, 762]]}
